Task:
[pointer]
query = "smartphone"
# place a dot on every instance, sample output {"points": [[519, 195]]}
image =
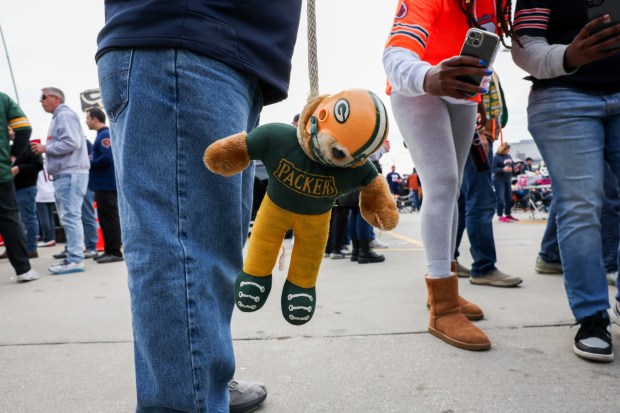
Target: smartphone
{"points": [[483, 45], [597, 8]]}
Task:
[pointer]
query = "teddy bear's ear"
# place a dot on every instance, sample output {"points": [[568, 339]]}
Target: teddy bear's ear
{"points": [[304, 118]]}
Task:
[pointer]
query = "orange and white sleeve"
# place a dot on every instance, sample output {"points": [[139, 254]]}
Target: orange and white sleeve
{"points": [[403, 57]]}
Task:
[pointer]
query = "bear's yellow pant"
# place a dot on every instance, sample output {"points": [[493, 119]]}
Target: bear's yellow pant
{"points": [[272, 223]]}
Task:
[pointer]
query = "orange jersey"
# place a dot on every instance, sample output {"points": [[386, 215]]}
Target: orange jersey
{"points": [[412, 182], [435, 29]]}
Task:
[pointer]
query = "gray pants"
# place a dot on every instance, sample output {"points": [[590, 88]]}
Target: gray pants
{"points": [[438, 135]]}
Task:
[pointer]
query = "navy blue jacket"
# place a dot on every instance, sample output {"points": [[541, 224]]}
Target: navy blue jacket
{"points": [[499, 161], [102, 164], [252, 36]]}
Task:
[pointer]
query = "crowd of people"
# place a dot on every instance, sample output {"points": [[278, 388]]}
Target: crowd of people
{"points": [[508, 193], [63, 176], [171, 77]]}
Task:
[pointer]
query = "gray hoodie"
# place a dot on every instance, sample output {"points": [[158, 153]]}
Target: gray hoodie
{"points": [[66, 149]]}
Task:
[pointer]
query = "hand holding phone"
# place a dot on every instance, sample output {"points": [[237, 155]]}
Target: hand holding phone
{"points": [[599, 8], [590, 46], [483, 45]]}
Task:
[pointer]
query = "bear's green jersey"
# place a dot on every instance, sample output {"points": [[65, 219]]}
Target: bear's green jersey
{"points": [[296, 182]]}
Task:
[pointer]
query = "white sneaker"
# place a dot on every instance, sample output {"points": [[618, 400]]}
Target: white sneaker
{"points": [[27, 276], [66, 268], [376, 243], [612, 277], [46, 243]]}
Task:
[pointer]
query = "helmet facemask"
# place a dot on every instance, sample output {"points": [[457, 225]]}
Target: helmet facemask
{"points": [[345, 129]]}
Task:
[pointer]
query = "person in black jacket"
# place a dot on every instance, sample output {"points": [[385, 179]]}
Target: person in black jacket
{"points": [[26, 167], [12, 119], [175, 76], [103, 182], [502, 182]]}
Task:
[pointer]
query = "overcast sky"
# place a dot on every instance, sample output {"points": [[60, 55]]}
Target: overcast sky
{"points": [[53, 43]]}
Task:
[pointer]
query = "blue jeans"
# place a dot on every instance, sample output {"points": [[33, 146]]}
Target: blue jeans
{"points": [[503, 196], [183, 227], [89, 221], [476, 208], [549, 248], [69, 191], [610, 222], [28, 213], [415, 199], [610, 228], [45, 213], [576, 132], [360, 229]]}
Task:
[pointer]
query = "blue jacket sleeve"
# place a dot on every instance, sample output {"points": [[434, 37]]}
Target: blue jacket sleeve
{"points": [[102, 151], [498, 164]]}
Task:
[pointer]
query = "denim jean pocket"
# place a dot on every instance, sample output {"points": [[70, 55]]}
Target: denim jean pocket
{"points": [[113, 68]]}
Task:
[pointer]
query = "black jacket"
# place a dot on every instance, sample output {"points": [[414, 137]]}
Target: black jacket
{"points": [[29, 164], [252, 36], [559, 21]]}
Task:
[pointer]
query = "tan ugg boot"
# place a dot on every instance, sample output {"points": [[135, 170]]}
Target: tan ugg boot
{"points": [[470, 310], [447, 321]]}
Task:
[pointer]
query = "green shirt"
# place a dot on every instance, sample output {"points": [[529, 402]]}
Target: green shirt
{"points": [[296, 182], [10, 115]]}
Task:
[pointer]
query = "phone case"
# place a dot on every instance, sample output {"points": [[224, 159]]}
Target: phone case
{"points": [[483, 45], [597, 8]]}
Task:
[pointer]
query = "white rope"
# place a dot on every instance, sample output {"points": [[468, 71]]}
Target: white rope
{"points": [[313, 65]]}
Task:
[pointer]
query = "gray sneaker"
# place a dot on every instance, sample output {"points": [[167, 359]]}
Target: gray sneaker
{"points": [[544, 267], [66, 267], [336, 255], [614, 313], [246, 396], [377, 244], [462, 271], [91, 254], [496, 278]]}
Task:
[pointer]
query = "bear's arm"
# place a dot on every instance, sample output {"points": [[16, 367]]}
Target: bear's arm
{"points": [[228, 156], [377, 205]]}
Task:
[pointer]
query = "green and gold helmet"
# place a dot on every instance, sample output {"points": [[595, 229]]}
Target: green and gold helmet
{"points": [[347, 128]]}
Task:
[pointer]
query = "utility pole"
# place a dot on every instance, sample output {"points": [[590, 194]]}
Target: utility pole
{"points": [[9, 62]]}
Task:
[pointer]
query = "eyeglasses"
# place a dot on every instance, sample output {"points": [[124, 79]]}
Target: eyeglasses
{"points": [[43, 97]]}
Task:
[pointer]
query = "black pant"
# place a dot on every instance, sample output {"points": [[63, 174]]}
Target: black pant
{"points": [[340, 221], [107, 212], [12, 230]]}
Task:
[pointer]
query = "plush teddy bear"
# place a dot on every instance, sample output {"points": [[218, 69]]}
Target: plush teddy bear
{"points": [[309, 168]]}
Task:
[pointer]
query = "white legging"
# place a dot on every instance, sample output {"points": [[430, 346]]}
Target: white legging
{"points": [[438, 135]]}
